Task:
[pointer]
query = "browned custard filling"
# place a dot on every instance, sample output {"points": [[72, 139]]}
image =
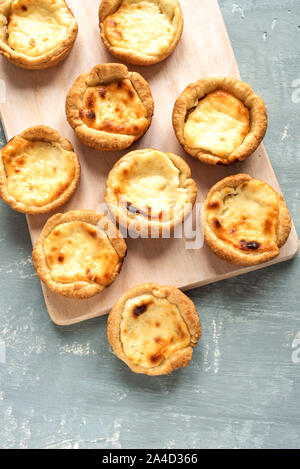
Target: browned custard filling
{"points": [[77, 251], [37, 172], [114, 108], [152, 329], [36, 27], [144, 26], [149, 185], [246, 217], [218, 125]]}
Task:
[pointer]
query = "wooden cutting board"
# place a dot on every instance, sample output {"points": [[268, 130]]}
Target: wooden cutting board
{"points": [[38, 97]]}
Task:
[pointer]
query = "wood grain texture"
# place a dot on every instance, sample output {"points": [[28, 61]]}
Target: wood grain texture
{"points": [[204, 50], [60, 387]]}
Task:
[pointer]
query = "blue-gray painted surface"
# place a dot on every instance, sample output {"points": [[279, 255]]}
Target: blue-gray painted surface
{"points": [[63, 388]]}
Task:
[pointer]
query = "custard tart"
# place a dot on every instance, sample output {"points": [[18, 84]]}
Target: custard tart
{"points": [[246, 221], [219, 120], [148, 189], [140, 32], [78, 254], [154, 329], [39, 171], [110, 108], [36, 34]]}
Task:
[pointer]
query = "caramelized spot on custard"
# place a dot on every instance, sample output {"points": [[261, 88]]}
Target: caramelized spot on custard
{"points": [[132, 209], [158, 340], [213, 205], [102, 93], [154, 359], [92, 233], [217, 223], [109, 126], [137, 211], [268, 226], [61, 258], [20, 160], [91, 115], [181, 332], [90, 100], [141, 309], [249, 245]]}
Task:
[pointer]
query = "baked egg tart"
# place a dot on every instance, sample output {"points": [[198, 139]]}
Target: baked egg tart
{"points": [[78, 254], [36, 34], [110, 108], [246, 221], [140, 32], [219, 120], [39, 171], [154, 329], [148, 189]]}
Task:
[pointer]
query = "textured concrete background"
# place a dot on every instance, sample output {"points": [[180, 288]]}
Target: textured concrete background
{"points": [[63, 388]]}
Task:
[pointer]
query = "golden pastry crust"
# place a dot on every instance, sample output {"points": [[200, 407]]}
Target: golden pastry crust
{"points": [[30, 57], [17, 172], [224, 226], [89, 107], [149, 191], [96, 227], [192, 96], [167, 355], [113, 25]]}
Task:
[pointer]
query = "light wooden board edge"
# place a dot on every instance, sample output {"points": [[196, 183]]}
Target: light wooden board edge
{"points": [[237, 273]]}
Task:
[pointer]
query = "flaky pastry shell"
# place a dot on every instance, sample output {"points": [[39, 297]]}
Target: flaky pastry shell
{"points": [[41, 133], [195, 92], [46, 59], [188, 314], [135, 57], [249, 253], [78, 289], [105, 74], [131, 217]]}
